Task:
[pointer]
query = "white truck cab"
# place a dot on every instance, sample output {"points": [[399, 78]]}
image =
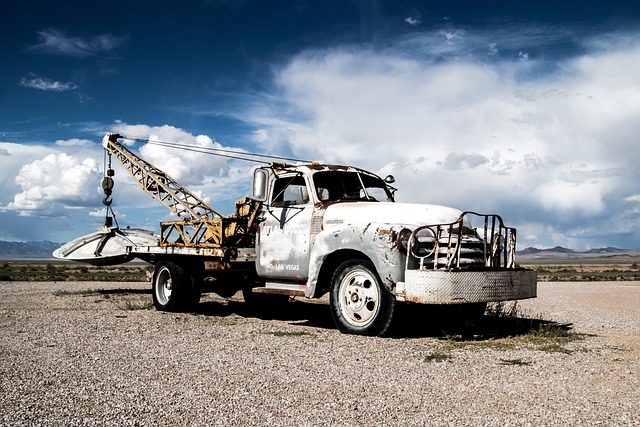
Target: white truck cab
{"points": [[337, 229]]}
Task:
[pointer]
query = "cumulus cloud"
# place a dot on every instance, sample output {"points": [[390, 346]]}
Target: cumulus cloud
{"points": [[63, 180], [58, 43], [53, 182], [184, 165], [46, 84], [12, 158], [458, 160], [635, 198], [75, 142], [472, 130], [48, 193], [61, 183], [217, 180]]}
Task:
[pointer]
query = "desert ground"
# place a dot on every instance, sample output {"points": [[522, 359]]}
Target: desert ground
{"points": [[97, 353]]}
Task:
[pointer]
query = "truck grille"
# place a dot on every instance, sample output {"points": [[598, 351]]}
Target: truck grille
{"points": [[459, 246]]}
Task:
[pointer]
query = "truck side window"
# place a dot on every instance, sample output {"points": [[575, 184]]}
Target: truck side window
{"points": [[290, 190]]}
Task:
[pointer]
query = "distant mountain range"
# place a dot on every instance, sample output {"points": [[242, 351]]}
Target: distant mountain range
{"points": [[21, 250], [560, 252], [16, 250]]}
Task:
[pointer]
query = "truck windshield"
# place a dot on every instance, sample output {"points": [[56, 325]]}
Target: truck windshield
{"points": [[341, 185]]}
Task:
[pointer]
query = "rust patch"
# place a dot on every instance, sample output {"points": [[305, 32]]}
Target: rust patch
{"points": [[216, 265], [388, 235], [383, 232]]}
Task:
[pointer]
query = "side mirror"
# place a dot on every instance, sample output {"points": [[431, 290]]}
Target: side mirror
{"points": [[389, 179], [260, 184]]}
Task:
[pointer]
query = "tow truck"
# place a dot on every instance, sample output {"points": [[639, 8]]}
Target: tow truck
{"points": [[309, 229]]}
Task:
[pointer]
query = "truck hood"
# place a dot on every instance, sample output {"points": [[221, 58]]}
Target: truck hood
{"points": [[406, 214]]}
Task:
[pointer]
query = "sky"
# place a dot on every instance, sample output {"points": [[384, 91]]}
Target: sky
{"points": [[528, 110]]}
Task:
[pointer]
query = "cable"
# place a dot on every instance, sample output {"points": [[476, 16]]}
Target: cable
{"points": [[231, 154]]}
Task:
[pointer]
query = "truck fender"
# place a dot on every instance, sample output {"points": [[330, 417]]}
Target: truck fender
{"points": [[377, 242]]}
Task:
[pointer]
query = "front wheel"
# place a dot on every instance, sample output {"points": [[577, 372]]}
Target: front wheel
{"points": [[359, 303], [174, 289]]}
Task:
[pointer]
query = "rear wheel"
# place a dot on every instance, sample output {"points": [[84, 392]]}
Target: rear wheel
{"points": [[359, 303], [174, 288]]}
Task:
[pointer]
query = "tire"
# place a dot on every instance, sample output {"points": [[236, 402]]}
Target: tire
{"points": [[174, 289], [359, 303]]}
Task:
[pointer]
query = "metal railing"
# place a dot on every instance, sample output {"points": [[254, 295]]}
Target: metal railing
{"points": [[457, 245]]}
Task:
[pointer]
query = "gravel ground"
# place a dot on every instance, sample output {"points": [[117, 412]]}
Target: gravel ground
{"points": [[95, 353]]}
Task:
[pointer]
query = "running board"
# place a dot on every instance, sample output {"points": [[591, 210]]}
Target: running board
{"points": [[280, 288]]}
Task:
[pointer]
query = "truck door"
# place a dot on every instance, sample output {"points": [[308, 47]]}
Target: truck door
{"points": [[283, 249]]}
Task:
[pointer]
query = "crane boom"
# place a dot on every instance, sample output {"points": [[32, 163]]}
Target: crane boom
{"points": [[158, 184], [200, 224]]}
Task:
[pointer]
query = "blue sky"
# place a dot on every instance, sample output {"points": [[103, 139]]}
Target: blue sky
{"points": [[526, 110]]}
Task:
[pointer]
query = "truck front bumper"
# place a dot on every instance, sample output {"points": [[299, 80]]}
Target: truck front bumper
{"points": [[460, 287]]}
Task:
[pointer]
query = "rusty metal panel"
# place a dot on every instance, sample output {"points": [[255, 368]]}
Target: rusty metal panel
{"points": [[452, 287], [207, 232], [177, 250]]}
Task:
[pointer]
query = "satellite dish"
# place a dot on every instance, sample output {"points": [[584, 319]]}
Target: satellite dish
{"points": [[106, 247]]}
